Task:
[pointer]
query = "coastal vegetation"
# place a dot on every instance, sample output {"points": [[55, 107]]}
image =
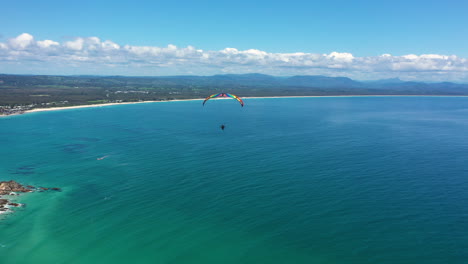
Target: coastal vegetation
{"points": [[19, 93]]}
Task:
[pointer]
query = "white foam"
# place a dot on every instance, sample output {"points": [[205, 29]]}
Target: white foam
{"points": [[5, 212]]}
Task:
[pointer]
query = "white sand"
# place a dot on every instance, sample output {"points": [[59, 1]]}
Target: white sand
{"points": [[101, 105], [200, 99], [96, 105]]}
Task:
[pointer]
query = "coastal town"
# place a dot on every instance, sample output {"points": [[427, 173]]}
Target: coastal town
{"points": [[15, 110], [21, 109], [6, 110]]}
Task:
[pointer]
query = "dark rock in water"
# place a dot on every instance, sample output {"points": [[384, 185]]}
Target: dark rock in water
{"points": [[6, 187], [3, 202], [41, 189], [12, 188]]}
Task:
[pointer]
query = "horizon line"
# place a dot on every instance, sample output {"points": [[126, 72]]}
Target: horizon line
{"points": [[225, 74]]}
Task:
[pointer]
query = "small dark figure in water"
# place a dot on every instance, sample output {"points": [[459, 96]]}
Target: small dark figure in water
{"points": [[222, 127]]}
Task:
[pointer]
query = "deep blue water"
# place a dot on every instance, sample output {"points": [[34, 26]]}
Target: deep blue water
{"points": [[298, 180]]}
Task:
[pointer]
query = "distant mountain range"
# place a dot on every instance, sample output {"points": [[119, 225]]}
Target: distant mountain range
{"points": [[250, 84], [318, 81], [313, 81]]}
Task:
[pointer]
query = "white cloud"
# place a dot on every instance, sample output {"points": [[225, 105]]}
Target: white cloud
{"points": [[345, 57], [47, 43], [21, 42], [410, 57], [76, 44], [83, 54], [109, 45]]}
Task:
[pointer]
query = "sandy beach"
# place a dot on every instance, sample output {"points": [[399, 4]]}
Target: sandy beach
{"points": [[200, 99], [96, 105], [101, 105]]}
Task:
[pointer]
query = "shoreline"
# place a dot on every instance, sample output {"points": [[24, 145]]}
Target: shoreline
{"points": [[200, 99], [102, 105], [93, 105]]}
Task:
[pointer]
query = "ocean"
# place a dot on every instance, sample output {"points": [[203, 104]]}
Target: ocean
{"points": [[289, 180]]}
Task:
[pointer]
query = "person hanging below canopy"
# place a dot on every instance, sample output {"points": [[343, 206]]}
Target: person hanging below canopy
{"points": [[228, 95]]}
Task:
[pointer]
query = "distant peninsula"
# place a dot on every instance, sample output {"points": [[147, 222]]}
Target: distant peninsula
{"points": [[21, 93]]}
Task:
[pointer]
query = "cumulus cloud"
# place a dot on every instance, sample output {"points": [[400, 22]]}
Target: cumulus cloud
{"points": [[21, 42], [47, 43], [76, 44], [85, 54]]}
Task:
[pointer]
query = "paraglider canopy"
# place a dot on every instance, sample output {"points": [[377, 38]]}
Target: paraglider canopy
{"points": [[224, 95]]}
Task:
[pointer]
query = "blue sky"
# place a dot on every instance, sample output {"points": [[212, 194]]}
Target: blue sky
{"points": [[365, 29]]}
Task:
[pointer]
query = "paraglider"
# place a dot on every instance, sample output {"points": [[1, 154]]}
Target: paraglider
{"points": [[228, 95], [224, 95]]}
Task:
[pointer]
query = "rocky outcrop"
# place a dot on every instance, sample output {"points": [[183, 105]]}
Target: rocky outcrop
{"points": [[3, 202], [14, 188], [7, 187], [11, 188]]}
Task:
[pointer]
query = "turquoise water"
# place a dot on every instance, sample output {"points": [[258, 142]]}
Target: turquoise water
{"points": [[300, 180]]}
